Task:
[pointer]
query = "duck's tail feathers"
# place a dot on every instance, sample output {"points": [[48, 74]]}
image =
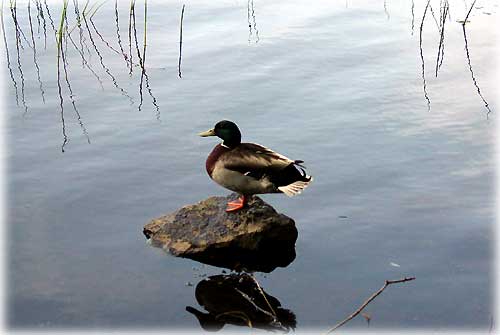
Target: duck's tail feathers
{"points": [[296, 187], [299, 163]]}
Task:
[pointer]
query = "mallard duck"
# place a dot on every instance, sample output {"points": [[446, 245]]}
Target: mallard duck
{"points": [[249, 168]]}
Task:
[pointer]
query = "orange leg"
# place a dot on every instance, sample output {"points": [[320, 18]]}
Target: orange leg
{"points": [[233, 206]]}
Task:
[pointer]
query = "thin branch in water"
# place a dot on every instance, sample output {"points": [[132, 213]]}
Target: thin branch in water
{"points": [[13, 9], [370, 299], [125, 57], [18, 52], [422, 57], [264, 296], [131, 12], [106, 69], [66, 78], [37, 16], [440, 53], [50, 17], [145, 36], [412, 16], [85, 63], [257, 39], [80, 30], [141, 62], [7, 56], [434, 17], [102, 38], [34, 52], [249, 22], [42, 16], [486, 105], [180, 41], [154, 102], [385, 10], [59, 51]]}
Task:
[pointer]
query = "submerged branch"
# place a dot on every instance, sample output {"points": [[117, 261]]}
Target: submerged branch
{"points": [[370, 299]]}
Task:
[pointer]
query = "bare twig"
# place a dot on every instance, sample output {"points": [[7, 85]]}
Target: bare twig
{"points": [[370, 299]]}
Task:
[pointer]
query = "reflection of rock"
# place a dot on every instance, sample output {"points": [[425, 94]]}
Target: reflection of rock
{"points": [[256, 238], [237, 299]]}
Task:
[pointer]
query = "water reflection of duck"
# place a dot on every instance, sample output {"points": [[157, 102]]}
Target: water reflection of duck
{"points": [[249, 168], [237, 299]]}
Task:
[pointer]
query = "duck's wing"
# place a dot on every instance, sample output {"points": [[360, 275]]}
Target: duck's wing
{"points": [[250, 157]]}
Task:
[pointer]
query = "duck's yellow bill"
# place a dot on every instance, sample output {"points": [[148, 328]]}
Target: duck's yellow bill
{"points": [[210, 132]]}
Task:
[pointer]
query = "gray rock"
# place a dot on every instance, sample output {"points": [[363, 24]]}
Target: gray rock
{"points": [[255, 238]]}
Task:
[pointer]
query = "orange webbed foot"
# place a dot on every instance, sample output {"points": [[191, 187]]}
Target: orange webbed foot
{"points": [[234, 206]]}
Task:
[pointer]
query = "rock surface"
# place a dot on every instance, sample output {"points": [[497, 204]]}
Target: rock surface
{"points": [[255, 238]]}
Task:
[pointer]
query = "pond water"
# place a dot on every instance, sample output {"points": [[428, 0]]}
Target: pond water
{"points": [[403, 186]]}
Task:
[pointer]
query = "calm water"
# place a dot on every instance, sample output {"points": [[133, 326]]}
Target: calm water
{"points": [[399, 190]]}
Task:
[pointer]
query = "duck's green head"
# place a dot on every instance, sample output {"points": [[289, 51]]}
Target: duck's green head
{"points": [[226, 130]]}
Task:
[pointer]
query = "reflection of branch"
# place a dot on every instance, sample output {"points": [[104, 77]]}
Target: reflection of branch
{"points": [[102, 38], [468, 61], [85, 62], [442, 22], [118, 33], [251, 12], [7, 54], [255, 25], [40, 15], [422, 57], [412, 16], [385, 10], [13, 11], [34, 52], [50, 16], [263, 295], [374, 295], [131, 12], [106, 69], [65, 66], [59, 52], [80, 31], [180, 42]]}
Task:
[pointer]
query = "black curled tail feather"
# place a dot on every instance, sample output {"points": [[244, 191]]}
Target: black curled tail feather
{"points": [[292, 173]]}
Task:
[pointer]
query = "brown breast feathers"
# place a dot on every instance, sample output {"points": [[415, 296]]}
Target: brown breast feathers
{"points": [[213, 157]]}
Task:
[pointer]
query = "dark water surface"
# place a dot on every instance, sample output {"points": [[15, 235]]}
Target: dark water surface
{"points": [[399, 190]]}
